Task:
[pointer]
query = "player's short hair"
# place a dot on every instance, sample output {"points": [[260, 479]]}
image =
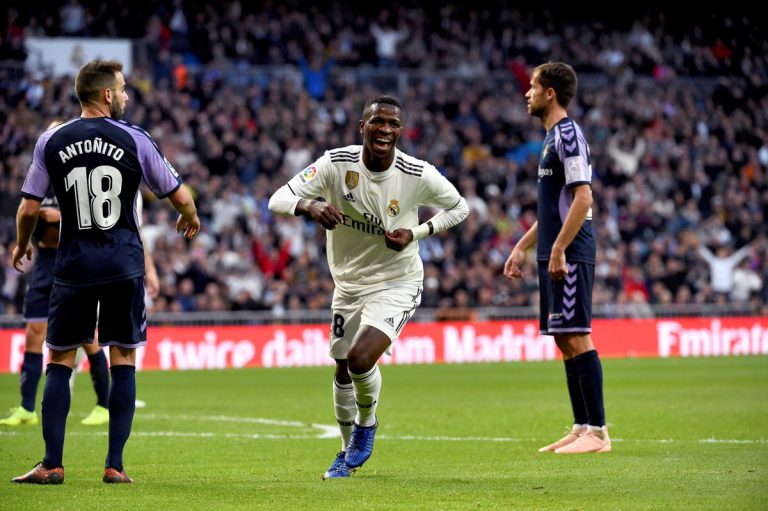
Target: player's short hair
{"points": [[561, 77], [94, 77], [384, 99]]}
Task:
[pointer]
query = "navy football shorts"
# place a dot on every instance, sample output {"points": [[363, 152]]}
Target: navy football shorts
{"points": [[119, 307], [566, 304], [40, 284]]}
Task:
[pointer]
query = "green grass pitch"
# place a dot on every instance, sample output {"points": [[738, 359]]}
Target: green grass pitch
{"points": [[688, 434]]}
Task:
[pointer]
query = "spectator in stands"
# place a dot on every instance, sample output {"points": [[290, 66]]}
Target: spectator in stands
{"points": [[746, 282], [387, 38], [231, 130], [722, 265]]}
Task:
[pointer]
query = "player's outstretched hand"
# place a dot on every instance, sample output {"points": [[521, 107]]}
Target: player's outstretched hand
{"points": [[398, 239], [190, 226], [325, 214], [18, 254]]}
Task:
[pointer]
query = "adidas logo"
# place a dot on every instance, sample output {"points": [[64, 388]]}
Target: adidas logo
{"points": [[390, 321], [348, 197]]}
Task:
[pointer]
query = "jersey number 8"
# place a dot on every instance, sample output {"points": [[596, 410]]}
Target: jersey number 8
{"points": [[94, 203]]}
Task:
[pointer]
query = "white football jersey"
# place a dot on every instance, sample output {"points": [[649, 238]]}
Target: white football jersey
{"points": [[372, 203]]}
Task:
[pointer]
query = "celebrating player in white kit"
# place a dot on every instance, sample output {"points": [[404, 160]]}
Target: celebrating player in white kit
{"points": [[372, 194]]}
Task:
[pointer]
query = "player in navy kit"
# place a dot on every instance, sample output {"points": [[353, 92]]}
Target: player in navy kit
{"points": [[40, 283], [95, 164], [46, 239], [565, 254]]}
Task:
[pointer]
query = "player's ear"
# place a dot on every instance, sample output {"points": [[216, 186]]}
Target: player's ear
{"points": [[551, 94], [108, 96], [362, 126]]}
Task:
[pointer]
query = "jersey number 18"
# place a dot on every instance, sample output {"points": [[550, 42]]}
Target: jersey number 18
{"points": [[94, 203]]}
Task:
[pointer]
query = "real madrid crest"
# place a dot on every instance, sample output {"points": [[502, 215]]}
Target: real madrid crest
{"points": [[394, 207], [351, 179]]}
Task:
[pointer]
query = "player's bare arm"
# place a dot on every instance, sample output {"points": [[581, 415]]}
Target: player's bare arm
{"points": [[513, 268], [324, 213], [582, 201], [26, 219], [50, 215], [398, 239], [188, 221], [49, 237], [151, 279]]}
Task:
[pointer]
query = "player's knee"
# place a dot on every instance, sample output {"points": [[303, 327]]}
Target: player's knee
{"points": [[35, 336], [91, 348], [574, 345], [358, 361]]}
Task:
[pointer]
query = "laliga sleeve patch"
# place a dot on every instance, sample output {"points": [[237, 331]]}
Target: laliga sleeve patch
{"points": [[308, 174], [576, 170]]}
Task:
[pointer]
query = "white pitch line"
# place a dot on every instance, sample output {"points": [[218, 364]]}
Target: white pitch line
{"points": [[326, 430], [732, 441], [332, 431], [223, 418], [267, 436]]}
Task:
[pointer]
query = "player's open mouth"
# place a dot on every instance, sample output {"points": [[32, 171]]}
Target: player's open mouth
{"points": [[383, 143]]}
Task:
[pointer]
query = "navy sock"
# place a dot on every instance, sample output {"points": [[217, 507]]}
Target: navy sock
{"points": [[100, 378], [574, 391], [591, 378], [56, 398], [31, 371], [122, 403]]}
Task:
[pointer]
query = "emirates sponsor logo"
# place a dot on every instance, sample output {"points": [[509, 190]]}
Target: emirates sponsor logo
{"points": [[675, 339]]}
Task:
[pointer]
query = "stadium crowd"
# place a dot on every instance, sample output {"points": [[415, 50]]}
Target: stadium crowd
{"points": [[675, 112]]}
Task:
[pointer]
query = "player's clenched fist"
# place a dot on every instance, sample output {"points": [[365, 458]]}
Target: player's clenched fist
{"points": [[398, 239], [325, 214]]}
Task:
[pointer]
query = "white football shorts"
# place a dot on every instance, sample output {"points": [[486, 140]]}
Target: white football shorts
{"points": [[387, 310]]}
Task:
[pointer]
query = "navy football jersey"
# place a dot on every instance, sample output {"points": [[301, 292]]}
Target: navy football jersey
{"points": [[95, 167], [564, 163]]}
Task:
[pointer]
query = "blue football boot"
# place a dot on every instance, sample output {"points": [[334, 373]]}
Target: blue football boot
{"points": [[360, 445], [339, 468]]}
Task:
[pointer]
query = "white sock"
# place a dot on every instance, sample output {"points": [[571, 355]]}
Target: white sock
{"points": [[367, 390], [596, 428], [78, 358], [344, 406], [72, 381]]}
